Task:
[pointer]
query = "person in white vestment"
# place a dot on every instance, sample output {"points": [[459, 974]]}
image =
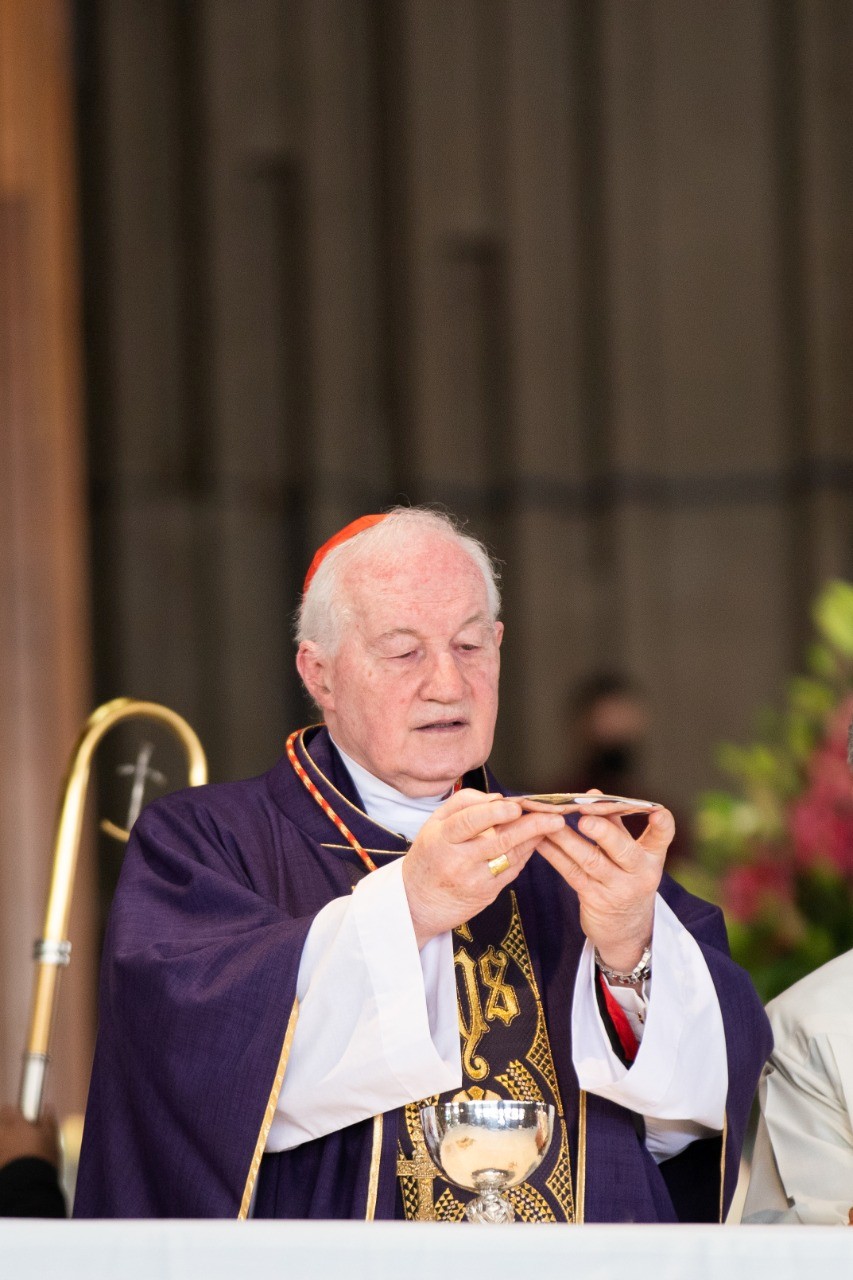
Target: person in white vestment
{"points": [[802, 1166]]}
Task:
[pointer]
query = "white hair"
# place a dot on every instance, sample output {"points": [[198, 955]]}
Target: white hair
{"points": [[323, 609]]}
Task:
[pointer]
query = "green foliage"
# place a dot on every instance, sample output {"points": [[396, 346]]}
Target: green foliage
{"points": [[777, 850], [833, 615]]}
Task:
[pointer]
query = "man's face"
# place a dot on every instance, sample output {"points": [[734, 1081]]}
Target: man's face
{"points": [[412, 692]]}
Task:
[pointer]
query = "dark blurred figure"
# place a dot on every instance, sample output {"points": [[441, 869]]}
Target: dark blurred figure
{"points": [[607, 721], [29, 1167]]}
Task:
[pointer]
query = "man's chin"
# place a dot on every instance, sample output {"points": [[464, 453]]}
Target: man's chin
{"points": [[438, 770]]}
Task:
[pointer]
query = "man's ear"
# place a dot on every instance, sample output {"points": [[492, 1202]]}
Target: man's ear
{"points": [[315, 669]]}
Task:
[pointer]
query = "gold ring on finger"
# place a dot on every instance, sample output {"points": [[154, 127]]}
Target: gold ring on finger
{"points": [[498, 865]]}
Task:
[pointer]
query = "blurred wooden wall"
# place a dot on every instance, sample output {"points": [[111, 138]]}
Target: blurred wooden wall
{"points": [[582, 269], [45, 674]]}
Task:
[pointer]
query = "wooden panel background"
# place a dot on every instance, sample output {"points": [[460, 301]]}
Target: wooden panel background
{"points": [[44, 638]]}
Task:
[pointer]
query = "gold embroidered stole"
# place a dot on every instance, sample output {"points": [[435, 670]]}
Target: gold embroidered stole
{"points": [[506, 1054]]}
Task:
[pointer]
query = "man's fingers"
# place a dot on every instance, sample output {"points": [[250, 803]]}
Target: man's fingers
{"points": [[480, 814], [615, 840], [591, 852], [564, 863], [465, 798], [529, 828], [659, 832], [468, 821]]}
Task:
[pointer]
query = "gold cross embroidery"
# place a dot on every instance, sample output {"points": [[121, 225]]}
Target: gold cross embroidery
{"points": [[424, 1172]]}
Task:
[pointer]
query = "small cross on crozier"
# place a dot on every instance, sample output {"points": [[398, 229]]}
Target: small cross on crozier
{"points": [[141, 772]]}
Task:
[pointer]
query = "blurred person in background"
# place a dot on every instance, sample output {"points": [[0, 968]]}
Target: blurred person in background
{"points": [[609, 720], [607, 723]]}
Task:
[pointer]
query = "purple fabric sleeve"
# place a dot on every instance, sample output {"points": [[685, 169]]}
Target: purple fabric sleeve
{"points": [[198, 983]]}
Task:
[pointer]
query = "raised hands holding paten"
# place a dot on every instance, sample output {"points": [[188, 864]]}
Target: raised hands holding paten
{"points": [[616, 879], [471, 848]]}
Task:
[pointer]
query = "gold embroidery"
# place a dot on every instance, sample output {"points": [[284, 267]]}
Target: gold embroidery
{"points": [[475, 1094], [464, 931], [373, 1179], [477, 1068], [516, 946], [520, 1083], [519, 1077], [486, 997], [417, 1176], [502, 1002], [529, 1204], [266, 1124], [580, 1201], [448, 1208], [723, 1165], [539, 1055], [560, 1181], [416, 1184]]}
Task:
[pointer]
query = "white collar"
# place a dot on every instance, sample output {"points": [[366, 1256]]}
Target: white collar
{"points": [[386, 805]]}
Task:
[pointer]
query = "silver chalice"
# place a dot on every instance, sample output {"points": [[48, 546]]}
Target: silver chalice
{"points": [[487, 1146]]}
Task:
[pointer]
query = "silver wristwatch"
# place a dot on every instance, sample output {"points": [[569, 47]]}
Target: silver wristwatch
{"points": [[641, 970]]}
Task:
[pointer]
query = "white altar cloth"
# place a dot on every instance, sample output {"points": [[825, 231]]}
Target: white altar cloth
{"points": [[217, 1250]]}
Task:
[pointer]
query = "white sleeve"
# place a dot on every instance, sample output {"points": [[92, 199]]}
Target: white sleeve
{"points": [[679, 1079], [802, 1170], [377, 1024]]}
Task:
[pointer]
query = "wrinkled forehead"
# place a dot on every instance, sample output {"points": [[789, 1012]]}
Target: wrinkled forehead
{"points": [[435, 577]]}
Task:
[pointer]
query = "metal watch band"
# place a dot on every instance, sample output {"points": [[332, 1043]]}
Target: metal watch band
{"points": [[641, 970]]}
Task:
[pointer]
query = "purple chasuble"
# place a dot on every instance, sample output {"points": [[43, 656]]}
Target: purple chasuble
{"points": [[219, 888]]}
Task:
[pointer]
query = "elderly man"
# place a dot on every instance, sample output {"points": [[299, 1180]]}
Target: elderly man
{"points": [[294, 961]]}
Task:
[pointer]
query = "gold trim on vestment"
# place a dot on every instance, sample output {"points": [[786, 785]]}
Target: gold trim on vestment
{"points": [[580, 1181], [320, 774], [300, 741], [347, 848], [373, 1179], [723, 1165], [272, 1103]]}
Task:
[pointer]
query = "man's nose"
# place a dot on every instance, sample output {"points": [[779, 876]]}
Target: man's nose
{"points": [[443, 680]]}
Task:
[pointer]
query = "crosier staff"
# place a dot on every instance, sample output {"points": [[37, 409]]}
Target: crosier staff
{"points": [[52, 951]]}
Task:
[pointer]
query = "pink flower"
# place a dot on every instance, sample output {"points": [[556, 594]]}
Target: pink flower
{"points": [[749, 890], [821, 820]]}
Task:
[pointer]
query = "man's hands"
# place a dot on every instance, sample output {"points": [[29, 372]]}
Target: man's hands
{"points": [[447, 877], [446, 873], [616, 880], [18, 1137]]}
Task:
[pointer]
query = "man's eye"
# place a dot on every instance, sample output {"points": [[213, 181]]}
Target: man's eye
{"points": [[470, 648], [398, 657]]}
